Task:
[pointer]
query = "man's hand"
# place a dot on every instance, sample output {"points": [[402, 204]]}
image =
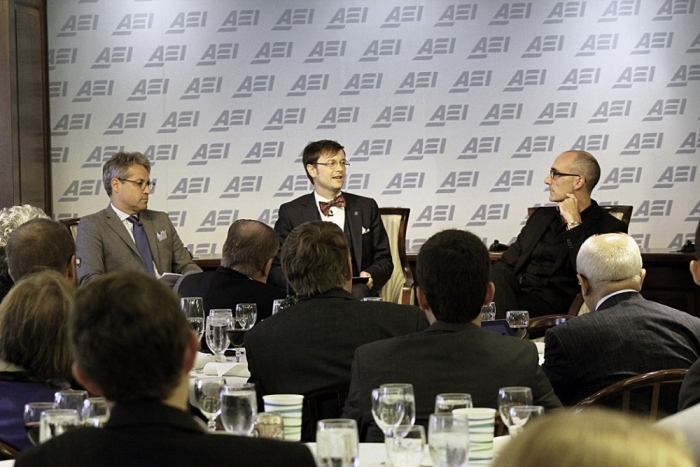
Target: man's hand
{"points": [[370, 283], [568, 209]]}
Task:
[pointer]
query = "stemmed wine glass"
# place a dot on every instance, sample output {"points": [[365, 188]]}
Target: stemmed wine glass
{"points": [[71, 399], [219, 322], [409, 407], [193, 307], [95, 411], [388, 409], [207, 393], [522, 414], [509, 397], [32, 418], [246, 314], [239, 406]]}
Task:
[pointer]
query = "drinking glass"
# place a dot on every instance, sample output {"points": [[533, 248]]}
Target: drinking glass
{"points": [[239, 406], [452, 400], [388, 408], [488, 312], [32, 418], [510, 397], [70, 399], [216, 335], [207, 393], [520, 415], [518, 319], [407, 450], [193, 307], [246, 314], [95, 412], [448, 439], [55, 422], [409, 407], [337, 443], [276, 305]]}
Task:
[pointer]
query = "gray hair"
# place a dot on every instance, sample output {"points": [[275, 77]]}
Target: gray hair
{"points": [[118, 165], [609, 258], [13, 217]]}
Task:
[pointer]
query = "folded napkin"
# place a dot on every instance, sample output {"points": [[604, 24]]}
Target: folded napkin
{"points": [[227, 369], [202, 359]]}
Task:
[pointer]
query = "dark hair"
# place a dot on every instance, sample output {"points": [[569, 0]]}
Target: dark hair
{"points": [[129, 336], [39, 244], [453, 271], [118, 166], [316, 149], [315, 258], [585, 164], [249, 246]]}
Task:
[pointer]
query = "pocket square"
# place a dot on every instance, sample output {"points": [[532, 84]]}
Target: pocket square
{"points": [[162, 235], [365, 230]]}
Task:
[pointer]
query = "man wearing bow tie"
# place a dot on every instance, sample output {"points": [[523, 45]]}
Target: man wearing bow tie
{"points": [[358, 216]]}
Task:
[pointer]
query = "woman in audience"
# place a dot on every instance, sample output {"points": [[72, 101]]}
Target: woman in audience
{"points": [[594, 439], [35, 355]]}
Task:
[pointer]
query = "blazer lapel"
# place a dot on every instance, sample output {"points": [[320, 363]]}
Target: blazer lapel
{"points": [[309, 211], [153, 242], [353, 220], [113, 221], [537, 232]]}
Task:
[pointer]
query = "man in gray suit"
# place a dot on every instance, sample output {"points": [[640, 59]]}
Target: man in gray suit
{"points": [[454, 354], [127, 235], [625, 335]]}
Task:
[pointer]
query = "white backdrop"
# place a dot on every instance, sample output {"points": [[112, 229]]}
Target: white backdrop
{"points": [[453, 109]]}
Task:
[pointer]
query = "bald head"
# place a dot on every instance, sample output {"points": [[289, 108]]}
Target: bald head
{"points": [[250, 245]]}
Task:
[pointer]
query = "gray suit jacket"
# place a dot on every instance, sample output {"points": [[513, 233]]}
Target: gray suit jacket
{"points": [[104, 245], [626, 336], [443, 358]]}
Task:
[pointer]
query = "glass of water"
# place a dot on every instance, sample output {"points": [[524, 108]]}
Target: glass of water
{"points": [[239, 406], [518, 319], [55, 422], [337, 443], [95, 412], [407, 450], [193, 307], [207, 393], [449, 401], [70, 399], [488, 312], [448, 439], [217, 334]]}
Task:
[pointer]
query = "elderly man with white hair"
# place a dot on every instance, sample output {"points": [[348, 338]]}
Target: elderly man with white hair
{"points": [[625, 334]]}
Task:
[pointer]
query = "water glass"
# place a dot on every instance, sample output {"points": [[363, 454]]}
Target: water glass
{"points": [[409, 406], [207, 393], [239, 406], [521, 415], [509, 397], [217, 335], [70, 399], [193, 307], [388, 408], [337, 443], [488, 312], [95, 412], [518, 319], [244, 319], [449, 401], [55, 422], [407, 450], [32, 418], [448, 439]]}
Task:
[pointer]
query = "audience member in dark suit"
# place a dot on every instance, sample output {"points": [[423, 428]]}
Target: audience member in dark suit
{"points": [[134, 346], [626, 335], [538, 272], [454, 354], [127, 235], [242, 276], [325, 165], [310, 345], [35, 355]]}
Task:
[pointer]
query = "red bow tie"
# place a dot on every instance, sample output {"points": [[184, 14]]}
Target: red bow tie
{"points": [[326, 207]]}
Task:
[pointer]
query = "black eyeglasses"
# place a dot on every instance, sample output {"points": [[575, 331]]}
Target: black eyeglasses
{"points": [[553, 174], [334, 164], [141, 184]]}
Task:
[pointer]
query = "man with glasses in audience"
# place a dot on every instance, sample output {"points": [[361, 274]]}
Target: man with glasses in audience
{"points": [[127, 235], [538, 272], [325, 165]]}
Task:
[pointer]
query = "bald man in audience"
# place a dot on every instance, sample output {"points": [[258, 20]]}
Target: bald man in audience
{"points": [[625, 334], [132, 344]]}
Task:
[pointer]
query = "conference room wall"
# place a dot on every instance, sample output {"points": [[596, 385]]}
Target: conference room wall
{"points": [[453, 109]]}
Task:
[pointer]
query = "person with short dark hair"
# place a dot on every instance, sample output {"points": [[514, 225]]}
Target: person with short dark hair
{"points": [[454, 354], [242, 276], [538, 272], [41, 244], [128, 235], [35, 353], [325, 165], [132, 344], [310, 345]]}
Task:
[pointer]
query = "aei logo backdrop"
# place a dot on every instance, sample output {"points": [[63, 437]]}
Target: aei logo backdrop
{"points": [[454, 109]]}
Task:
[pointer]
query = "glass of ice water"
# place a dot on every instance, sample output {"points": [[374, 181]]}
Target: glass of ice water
{"points": [[239, 406], [448, 439], [55, 422], [337, 443], [193, 307]]}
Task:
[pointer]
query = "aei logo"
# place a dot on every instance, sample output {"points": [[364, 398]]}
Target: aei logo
{"points": [[618, 8], [637, 74], [231, 118], [417, 80], [76, 23], [133, 21], [488, 212], [640, 141], [69, 122], [359, 82], [80, 188], [512, 178], [435, 213], [690, 144], [597, 43], [448, 113], [292, 185], [216, 52], [532, 144], [264, 150], [401, 181], [177, 120], [656, 208], [509, 12], [218, 218], [245, 184], [100, 155], [345, 16], [239, 18], [187, 20], [338, 115], [251, 84], [678, 174], [166, 53], [190, 185], [370, 148], [476, 78], [294, 17], [207, 152], [656, 40], [454, 13], [455, 180], [563, 10], [324, 49], [149, 87], [426, 147], [400, 15], [621, 175], [480, 145]]}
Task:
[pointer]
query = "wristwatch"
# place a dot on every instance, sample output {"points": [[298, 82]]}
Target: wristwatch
{"points": [[571, 225]]}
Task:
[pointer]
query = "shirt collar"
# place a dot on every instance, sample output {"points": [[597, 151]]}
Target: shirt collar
{"points": [[600, 302]]}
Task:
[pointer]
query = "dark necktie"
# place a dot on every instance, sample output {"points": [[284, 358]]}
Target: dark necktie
{"points": [[326, 207], [142, 244]]}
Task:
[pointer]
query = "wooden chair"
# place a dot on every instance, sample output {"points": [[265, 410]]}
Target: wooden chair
{"points": [[72, 225], [652, 394], [399, 288], [7, 452], [538, 326], [321, 404]]}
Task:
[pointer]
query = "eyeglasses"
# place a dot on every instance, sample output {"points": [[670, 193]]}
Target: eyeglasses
{"points": [[334, 164], [553, 174], [141, 184]]}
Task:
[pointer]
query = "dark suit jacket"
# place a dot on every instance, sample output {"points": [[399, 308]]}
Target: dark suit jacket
{"points": [[152, 434], [445, 358], [626, 336], [226, 288], [310, 346], [104, 245], [690, 389], [562, 279], [370, 250]]}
